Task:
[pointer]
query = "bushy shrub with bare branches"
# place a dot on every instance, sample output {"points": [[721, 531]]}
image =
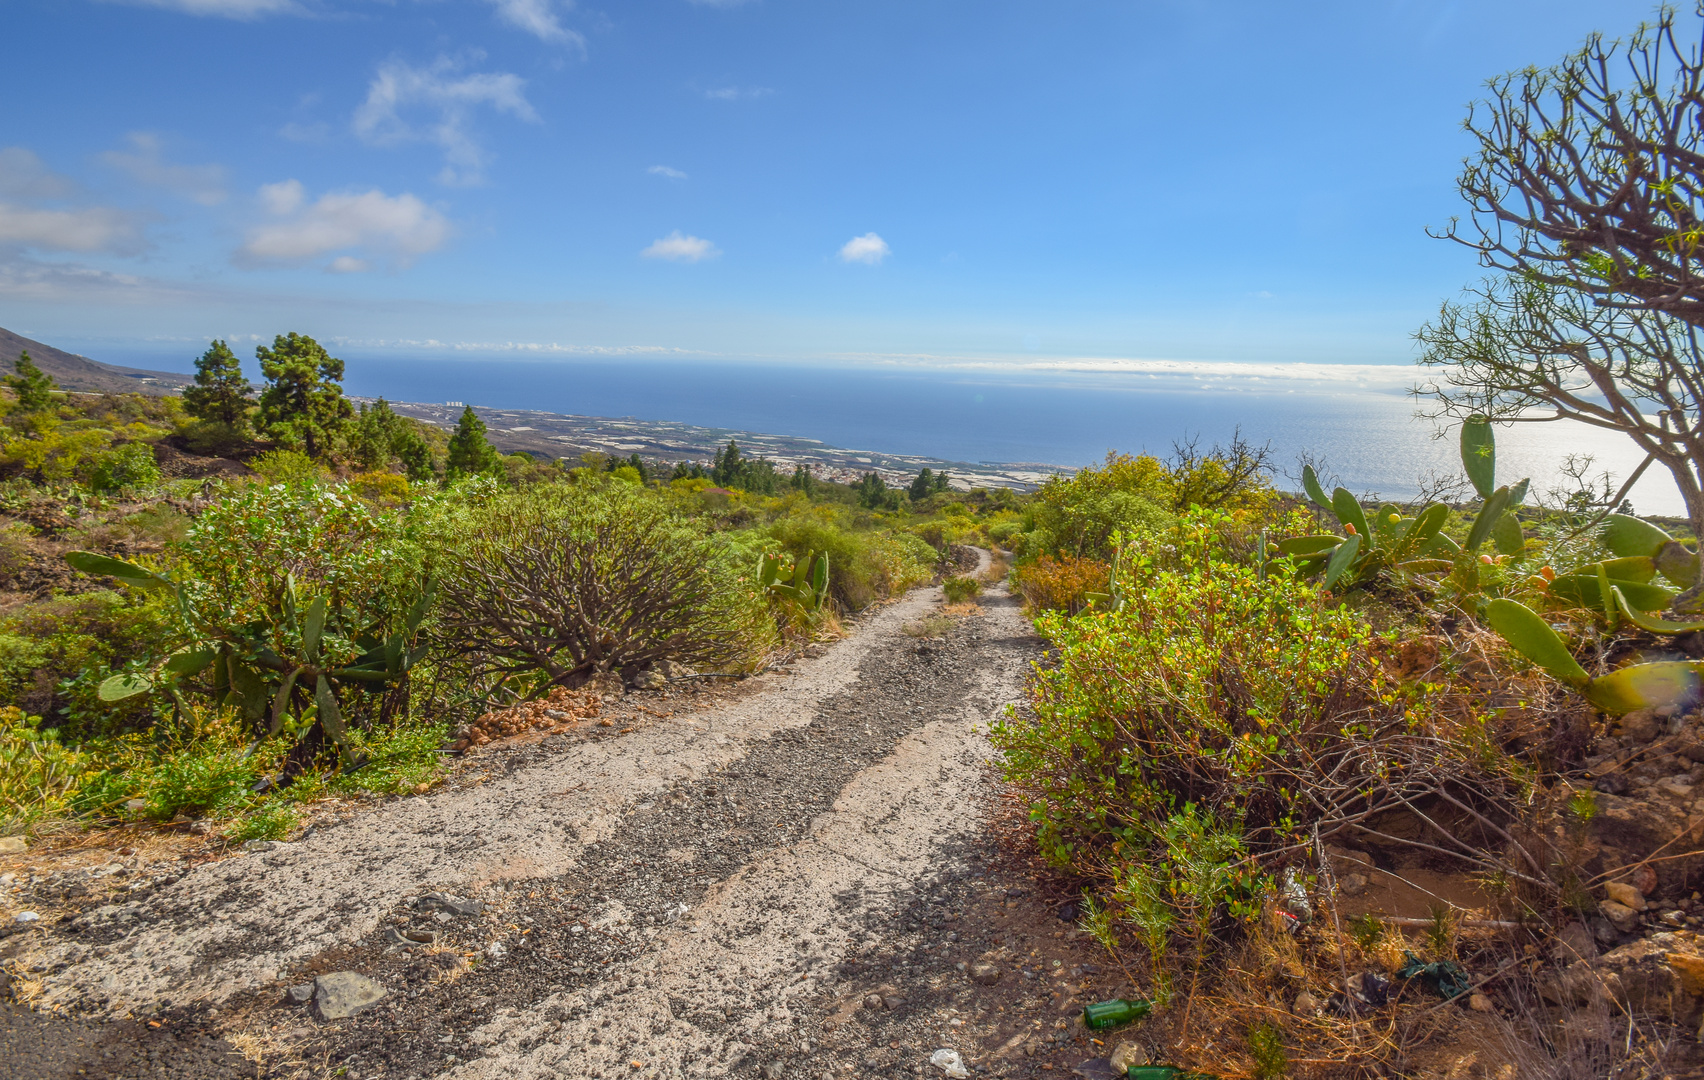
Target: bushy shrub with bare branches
{"points": [[570, 580]]}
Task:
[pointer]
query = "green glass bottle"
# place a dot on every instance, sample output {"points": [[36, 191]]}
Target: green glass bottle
{"points": [[1107, 1014]]}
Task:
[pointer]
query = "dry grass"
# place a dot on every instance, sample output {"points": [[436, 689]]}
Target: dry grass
{"points": [[998, 568]]}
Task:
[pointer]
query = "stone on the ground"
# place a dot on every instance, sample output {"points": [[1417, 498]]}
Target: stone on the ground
{"points": [[12, 845], [775, 1070], [892, 1001], [605, 684], [1640, 725], [872, 1001], [26, 917], [985, 973], [1574, 942], [1479, 1003], [455, 905], [1626, 895], [1306, 1004], [649, 679], [344, 993], [1625, 918], [1126, 1054], [949, 1062], [1353, 884], [300, 994]]}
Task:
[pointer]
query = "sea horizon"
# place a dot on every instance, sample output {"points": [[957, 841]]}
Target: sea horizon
{"points": [[1365, 433]]}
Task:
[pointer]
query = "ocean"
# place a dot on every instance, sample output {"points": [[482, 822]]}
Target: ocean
{"points": [[1362, 428]]}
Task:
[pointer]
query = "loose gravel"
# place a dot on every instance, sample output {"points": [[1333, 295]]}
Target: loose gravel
{"points": [[715, 893]]}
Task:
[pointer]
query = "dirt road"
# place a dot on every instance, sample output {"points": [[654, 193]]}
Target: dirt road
{"points": [[718, 893]]}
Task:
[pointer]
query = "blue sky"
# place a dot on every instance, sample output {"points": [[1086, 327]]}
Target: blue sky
{"points": [[992, 182]]}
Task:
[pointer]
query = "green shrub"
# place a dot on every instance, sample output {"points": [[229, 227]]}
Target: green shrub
{"points": [[1061, 584], [563, 581], [38, 774], [1196, 727], [960, 589], [271, 820], [864, 566], [129, 466], [287, 467]]}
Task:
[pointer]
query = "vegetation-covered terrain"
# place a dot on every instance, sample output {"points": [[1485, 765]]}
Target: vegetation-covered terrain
{"points": [[222, 604]]}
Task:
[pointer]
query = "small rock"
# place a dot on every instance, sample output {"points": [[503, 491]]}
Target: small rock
{"points": [[672, 669], [1643, 878], [299, 994], [12, 845], [260, 845], [1625, 918], [26, 917], [1125, 1055], [1625, 895], [1305, 1005], [1479, 1003], [649, 679], [985, 974], [605, 684], [1639, 726], [201, 828], [1604, 932], [344, 993], [872, 1001], [775, 1070], [1676, 919], [892, 1001], [1352, 884], [455, 905], [1574, 942], [411, 938], [949, 1062]]}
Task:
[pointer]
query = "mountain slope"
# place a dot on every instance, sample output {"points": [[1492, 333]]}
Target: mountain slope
{"points": [[73, 372]]}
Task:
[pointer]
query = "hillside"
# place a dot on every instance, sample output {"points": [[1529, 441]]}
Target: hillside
{"points": [[73, 372]]}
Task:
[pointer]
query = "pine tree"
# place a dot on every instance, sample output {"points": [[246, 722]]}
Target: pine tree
{"points": [[728, 468], [33, 386], [220, 393], [924, 486], [803, 480], [302, 403], [872, 491], [471, 454]]}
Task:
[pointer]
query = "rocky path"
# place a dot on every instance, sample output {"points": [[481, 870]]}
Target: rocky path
{"points": [[792, 883]]}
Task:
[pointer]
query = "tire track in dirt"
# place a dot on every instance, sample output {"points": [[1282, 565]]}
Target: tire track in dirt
{"points": [[780, 821]]}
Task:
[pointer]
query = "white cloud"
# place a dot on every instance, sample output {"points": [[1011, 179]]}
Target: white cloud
{"points": [[229, 9], [304, 133], [399, 227], [284, 197], [664, 170], [676, 247], [90, 229], [869, 248], [398, 85], [23, 176], [736, 93], [204, 184], [538, 18]]}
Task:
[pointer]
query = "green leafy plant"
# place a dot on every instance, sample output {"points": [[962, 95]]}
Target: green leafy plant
{"points": [[960, 589], [1408, 546], [1636, 686], [801, 581], [287, 599], [1266, 1047]]}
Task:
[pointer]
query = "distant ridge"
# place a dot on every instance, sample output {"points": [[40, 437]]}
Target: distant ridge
{"points": [[73, 372]]}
